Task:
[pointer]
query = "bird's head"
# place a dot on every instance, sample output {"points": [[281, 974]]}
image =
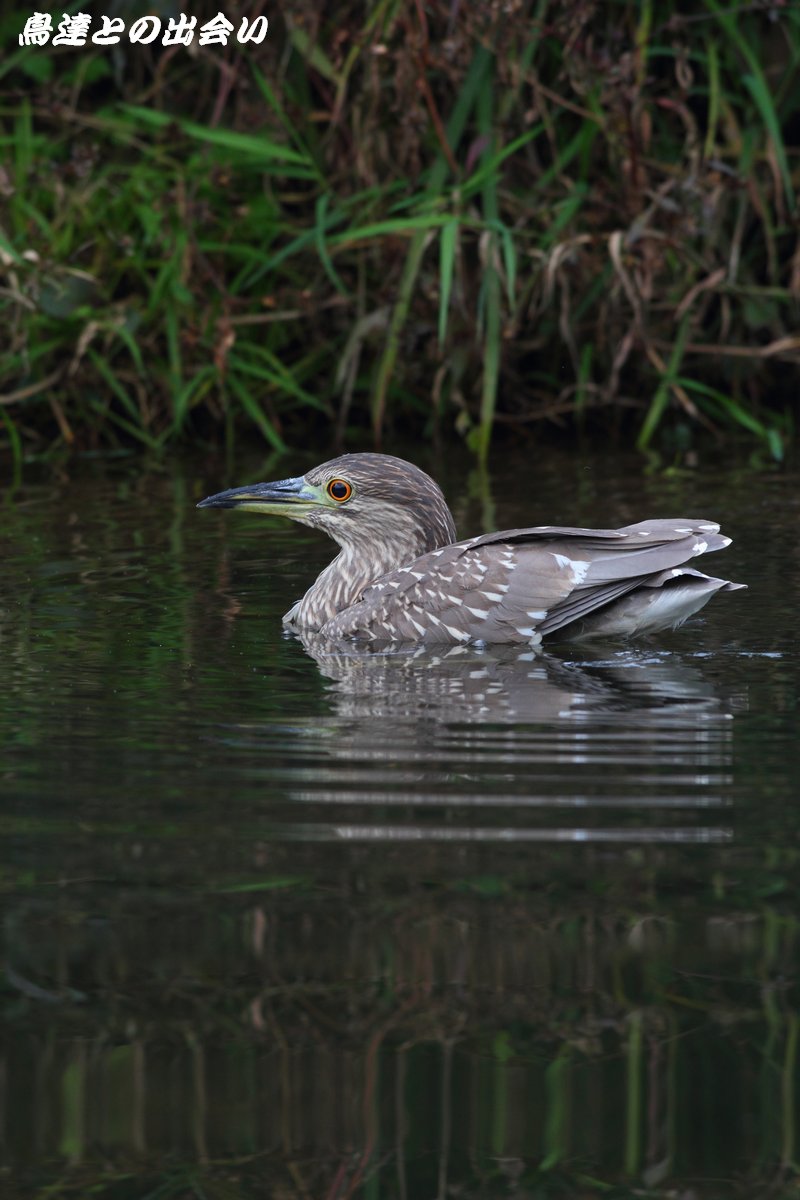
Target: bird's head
{"points": [[363, 501]]}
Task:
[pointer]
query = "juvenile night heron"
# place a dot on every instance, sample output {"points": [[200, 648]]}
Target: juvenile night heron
{"points": [[401, 576]]}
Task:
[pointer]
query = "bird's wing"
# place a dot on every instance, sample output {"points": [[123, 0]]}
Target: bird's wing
{"points": [[604, 565], [440, 597], [520, 584]]}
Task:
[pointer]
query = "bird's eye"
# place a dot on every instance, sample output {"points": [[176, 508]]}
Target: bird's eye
{"points": [[339, 489]]}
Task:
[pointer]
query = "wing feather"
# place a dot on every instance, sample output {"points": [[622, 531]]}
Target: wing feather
{"points": [[521, 584]]}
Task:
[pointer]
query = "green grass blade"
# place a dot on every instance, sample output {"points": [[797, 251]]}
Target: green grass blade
{"points": [[758, 87], [448, 241], [396, 323], [491, 292], [661, 397], [320, 212], [274, 373], [250, 406], [491, 361], [130, 342], [312, 53], [106, 372], [489, 167], [172, 330], [134, 430], [509, 262], [725, 406], [291, 129], [189, 395], [8, 250], [565, 213], [423, 224], [714, 98], [465, 103], [261, 149]]}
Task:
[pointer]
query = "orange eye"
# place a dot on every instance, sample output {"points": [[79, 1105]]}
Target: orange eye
{"points": [[339, 489]]}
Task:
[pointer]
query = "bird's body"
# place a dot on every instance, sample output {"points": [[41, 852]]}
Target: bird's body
{"points": [[401, 576]]}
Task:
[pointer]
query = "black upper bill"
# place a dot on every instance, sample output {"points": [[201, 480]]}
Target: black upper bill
{"points": [[284, 491]]}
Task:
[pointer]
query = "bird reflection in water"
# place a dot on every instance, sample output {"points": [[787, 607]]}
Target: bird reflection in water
{"points": [[493, 745], [504, 683]]}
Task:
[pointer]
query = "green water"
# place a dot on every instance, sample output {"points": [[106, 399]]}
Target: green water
{"points": [[390, 927]]}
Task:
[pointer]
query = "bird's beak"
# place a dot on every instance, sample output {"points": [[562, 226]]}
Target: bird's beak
{"points": [[286, 498]]}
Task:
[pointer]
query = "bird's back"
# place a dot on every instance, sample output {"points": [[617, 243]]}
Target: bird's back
{"points": [[521, 585]]}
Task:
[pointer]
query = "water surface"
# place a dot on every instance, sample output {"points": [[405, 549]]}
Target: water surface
{"points": [[282, 922]]}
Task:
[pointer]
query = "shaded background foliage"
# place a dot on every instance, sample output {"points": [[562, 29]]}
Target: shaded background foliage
{"points": [[408, 216]]}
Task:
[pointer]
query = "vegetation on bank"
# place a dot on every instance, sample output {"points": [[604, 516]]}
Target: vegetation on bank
{"points": [[408, 216]]}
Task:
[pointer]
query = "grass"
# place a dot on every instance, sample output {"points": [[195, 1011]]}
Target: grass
{"points": [[426, 219]]}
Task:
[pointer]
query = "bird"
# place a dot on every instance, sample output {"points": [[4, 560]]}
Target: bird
{"points": [[402, 576]]}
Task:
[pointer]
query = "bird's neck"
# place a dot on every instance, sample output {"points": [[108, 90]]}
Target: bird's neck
{"points": [[356, 566]]}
